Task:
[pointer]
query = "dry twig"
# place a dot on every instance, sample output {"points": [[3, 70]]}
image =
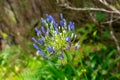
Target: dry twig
{"points": [[104, 2], [113, 35], [90, 9]]}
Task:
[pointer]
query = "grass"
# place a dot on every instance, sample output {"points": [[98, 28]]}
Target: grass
{"points": [[89, 63]]}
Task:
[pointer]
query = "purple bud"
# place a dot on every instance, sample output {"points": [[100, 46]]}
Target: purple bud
{"points": [[50, 49], [56, 30], [37, 31], [49, 18], [35, 46], [40, 51], [56, 26], [61, 55], [68, 39], [42, 54], [34, 40], [61, 16], [62, 23], [43, 29], [43, 21], [47, 15], [71, 26], [40, 41]]}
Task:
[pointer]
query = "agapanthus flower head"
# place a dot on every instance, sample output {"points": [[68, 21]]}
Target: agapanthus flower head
{"points": [[54, 38]]}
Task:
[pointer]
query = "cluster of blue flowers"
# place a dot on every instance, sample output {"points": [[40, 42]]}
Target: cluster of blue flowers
{"points": [[53, 38]]}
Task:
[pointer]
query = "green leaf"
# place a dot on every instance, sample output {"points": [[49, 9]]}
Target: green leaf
{"points": [[117, 75], [113, 63], [105, 64], [100, 16]]}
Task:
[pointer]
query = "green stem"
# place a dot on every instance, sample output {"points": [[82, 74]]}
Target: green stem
{"points": [[82, 67]]}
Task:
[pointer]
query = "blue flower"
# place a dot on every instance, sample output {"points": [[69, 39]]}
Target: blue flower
{"points": [[50, 49], [40, 51], [43, 21], [40, 41], [54, 37], [36, 47], [71, 26], [56, 26], [68, 39], [42, 54], [34, 40], [50, 18], [47, 16], [62, 23], [37, 31], [43, 29], [61, 16]]}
